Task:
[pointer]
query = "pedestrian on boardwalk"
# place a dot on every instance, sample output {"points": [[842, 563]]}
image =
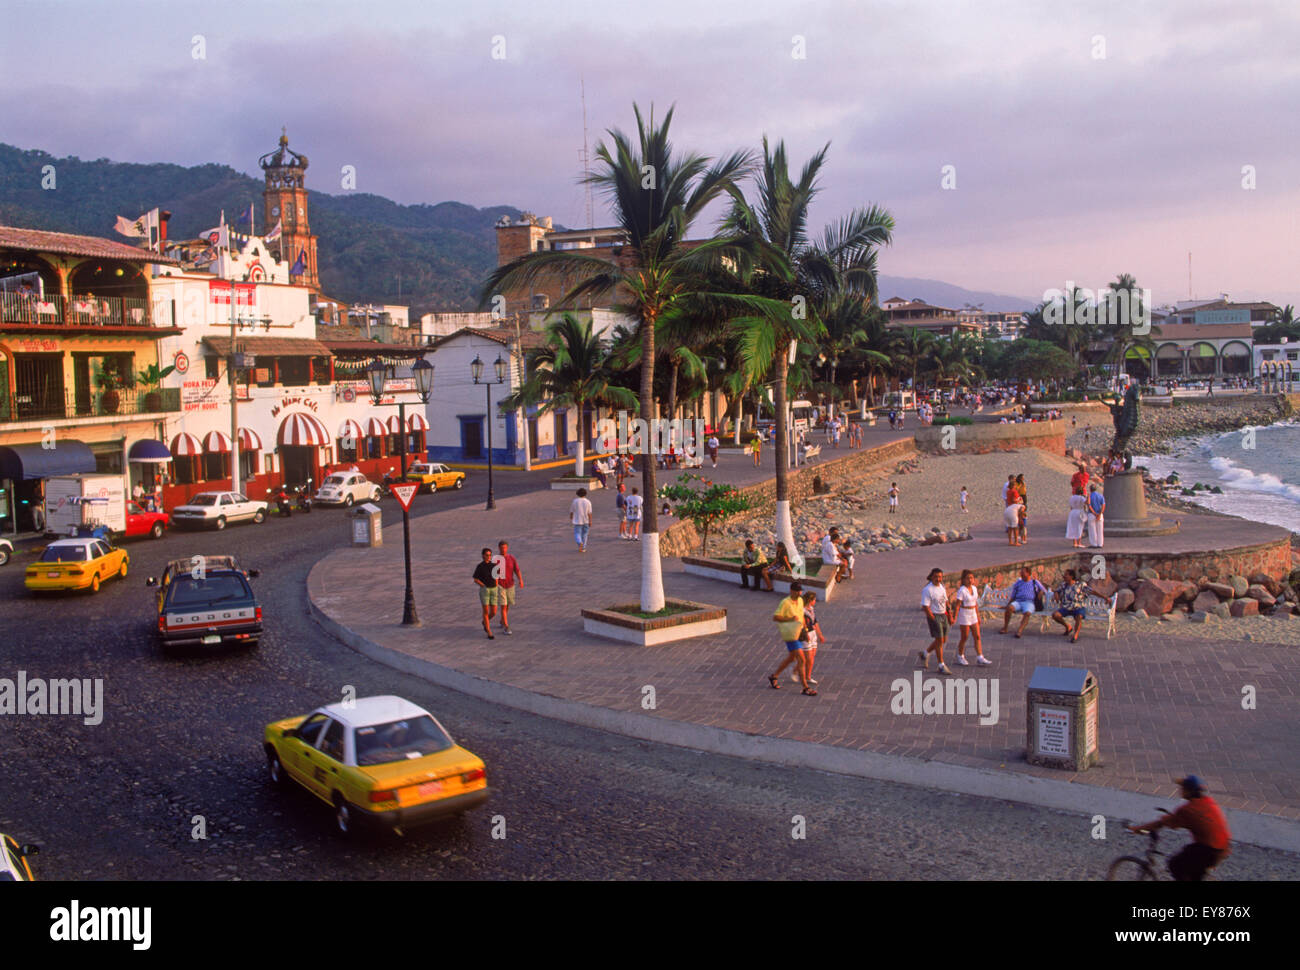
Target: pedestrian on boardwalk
{"points": [[1096, 517], [964, 494], [790, 625], [1011, 517], [756, 446], [1023, 525], [811, 637], [580, 516], [831, 553], [1074, 524], [835, 432], [634, 505], [486, 580], [780, 563], [1025, 598], [620, 506], [847, 557], [893, 498], [1010, 483], [968, 619], [509, 578], [934, 601], [752, 561], [712, 445]]}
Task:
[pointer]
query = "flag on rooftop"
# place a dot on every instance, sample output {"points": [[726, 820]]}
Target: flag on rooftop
{"points": [[274, 234], [300, 265]]}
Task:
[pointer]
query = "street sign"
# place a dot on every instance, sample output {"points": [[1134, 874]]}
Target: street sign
{"points": [[404, 494]]}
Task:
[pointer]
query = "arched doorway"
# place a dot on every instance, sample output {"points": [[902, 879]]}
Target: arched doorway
{"points": [[1203, 360], [1137, 363], [1169, 362], [1236, 357]]}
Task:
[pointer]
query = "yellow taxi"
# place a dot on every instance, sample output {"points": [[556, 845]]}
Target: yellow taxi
{"points": [[82, 563], [433, 476], [381, 762], [14, 866]]}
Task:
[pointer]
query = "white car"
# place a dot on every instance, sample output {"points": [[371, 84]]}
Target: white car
{"points": [[6, 550], [345, 488], [219, 508]]}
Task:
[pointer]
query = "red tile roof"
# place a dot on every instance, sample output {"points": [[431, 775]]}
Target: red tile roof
{"points": [[67, 244]]}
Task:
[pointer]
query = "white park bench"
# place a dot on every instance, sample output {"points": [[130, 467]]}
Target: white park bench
{"points": [[994, 602]]}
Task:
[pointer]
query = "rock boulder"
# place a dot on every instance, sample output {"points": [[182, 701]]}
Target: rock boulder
{"points": [[1244, 607], [1125, 601], [1239, 585], [1205, 602], [1261, 595], [1156, 596], [1221, 590]]}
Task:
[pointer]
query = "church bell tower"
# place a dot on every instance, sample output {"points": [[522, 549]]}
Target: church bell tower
{"points": [[284, 200]]}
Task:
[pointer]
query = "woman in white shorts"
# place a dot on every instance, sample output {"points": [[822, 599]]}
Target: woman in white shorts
{"points": [[968, 619]]}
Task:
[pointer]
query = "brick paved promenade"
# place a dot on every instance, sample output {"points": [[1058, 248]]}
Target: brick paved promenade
{"points": [[1168, 705]]}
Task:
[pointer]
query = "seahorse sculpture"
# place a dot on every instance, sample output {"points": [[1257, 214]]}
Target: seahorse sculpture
{"points": [[1125, 415]]}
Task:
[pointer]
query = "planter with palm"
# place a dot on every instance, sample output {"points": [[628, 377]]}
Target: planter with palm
{"points": [[656, 196], [151, 377], [789, 267]]}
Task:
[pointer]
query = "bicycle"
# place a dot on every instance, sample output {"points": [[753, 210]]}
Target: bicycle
{"points": [[1131, 868]]}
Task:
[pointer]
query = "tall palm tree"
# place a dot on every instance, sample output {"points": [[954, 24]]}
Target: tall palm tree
{"points": [[787, 266], [1123, 338], [656, 196], [571, 370]]}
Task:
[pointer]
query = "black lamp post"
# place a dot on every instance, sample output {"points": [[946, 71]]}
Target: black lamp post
{"points": [[476, 368], [377, 373]]}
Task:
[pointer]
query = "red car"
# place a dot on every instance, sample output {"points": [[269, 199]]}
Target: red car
{"points": [[142, 523]]}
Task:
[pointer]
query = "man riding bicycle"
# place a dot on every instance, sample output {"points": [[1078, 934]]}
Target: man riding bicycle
{"points": [[1210, 836]]}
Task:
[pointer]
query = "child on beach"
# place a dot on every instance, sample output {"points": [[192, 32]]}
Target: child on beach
{"points": [[893, 498], [963, 498], [846, 554]]}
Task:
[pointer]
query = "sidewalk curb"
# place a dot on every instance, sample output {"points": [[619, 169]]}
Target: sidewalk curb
{"points": [[1266, 831]]}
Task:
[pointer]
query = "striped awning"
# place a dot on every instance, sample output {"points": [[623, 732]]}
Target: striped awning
{"points": [[302, 430], [351, 431], [375, 428], [216, 443], [417, 422], [249, 440], [186, 446], [394, 425]]}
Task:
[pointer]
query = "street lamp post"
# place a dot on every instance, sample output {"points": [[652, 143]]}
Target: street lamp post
{"points": [[377, 373], [476, 369]]}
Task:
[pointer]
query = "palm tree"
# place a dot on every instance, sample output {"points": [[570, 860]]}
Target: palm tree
{"points": [[1123, 338], [571, 370], [656, 197], [786, 266]]}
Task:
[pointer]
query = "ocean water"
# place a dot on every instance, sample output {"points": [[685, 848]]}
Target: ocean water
{"points": [[1261, 483]]}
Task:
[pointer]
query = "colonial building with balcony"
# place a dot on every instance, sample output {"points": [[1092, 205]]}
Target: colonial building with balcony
{"points": [[78, 334], [904, 314]]}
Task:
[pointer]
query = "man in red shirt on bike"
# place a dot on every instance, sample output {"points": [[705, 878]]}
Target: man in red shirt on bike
{"points": [[1210, 836]]}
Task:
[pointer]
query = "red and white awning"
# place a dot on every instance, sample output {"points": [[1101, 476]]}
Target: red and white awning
{"points": [[186, 446], [375, 428], [249, 440], [302, 430], [417, 422], [349, 430], [216, 443], [394, 425]]}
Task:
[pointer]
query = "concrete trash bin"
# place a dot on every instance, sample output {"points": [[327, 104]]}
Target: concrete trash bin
{"points": [[1061, 716], [367, 525]]}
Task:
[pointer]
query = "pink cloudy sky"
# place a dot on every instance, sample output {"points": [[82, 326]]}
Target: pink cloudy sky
{"points": [[1068, 165]]}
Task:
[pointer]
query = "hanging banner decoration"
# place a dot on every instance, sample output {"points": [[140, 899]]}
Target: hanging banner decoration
{"points": [[219, 293]]}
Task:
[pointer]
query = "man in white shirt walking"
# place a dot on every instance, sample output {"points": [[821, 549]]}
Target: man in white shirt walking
{"points": [[580, 516], [634, 504]]}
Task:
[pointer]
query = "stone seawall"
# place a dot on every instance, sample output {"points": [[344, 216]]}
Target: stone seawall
{"points": [[982, 439], [681, 539], [1271, 558], [1197, 416]]}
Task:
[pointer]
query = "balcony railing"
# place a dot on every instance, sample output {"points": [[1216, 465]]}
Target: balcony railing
{"points": [[65, 403], [78, 311]]}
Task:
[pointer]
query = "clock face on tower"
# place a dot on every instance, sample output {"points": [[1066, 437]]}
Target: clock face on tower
{"points": [[275, 210]]}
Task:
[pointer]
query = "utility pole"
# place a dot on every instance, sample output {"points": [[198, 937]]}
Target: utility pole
{"points": [[523, 410], [234, 397]]}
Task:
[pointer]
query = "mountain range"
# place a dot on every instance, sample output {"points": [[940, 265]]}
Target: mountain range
{"points": [[370, 249]]}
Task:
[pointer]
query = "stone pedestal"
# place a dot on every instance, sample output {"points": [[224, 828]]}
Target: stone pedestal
{"points": [[1126, 509]]}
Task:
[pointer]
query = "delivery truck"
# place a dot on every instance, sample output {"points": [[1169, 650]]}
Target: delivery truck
{"points": [[73, 501]]}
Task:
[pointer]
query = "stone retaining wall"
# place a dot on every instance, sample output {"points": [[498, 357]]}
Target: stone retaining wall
{"points": [[1272, 558], [981, 439], [681, 539]]}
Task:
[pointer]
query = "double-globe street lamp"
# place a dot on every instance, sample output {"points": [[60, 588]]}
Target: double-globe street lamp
{"points": [[377, 373], [476, 368]]}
